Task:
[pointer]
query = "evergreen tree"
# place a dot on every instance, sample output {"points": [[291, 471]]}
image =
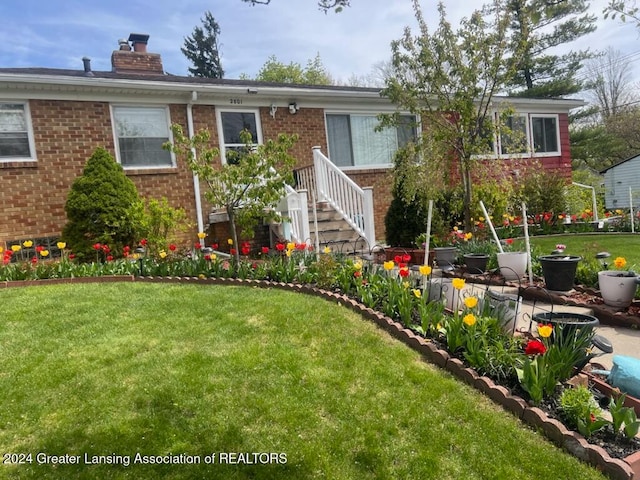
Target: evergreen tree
{"points": [[202, 49], [538, 26], [101, 208]]}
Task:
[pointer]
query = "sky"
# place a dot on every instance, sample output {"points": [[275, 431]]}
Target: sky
{"points": [[57, 34]]}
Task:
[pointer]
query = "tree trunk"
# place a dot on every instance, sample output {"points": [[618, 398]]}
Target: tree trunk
{"points": [[234, 237]]}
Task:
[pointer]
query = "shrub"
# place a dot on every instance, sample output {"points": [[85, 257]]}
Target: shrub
{"points": [[405, 219], [581, 410], [101, 208], [159, 224]]}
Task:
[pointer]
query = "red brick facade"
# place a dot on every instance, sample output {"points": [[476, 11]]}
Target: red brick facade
{"points": [[67, 132], [70, 118]]}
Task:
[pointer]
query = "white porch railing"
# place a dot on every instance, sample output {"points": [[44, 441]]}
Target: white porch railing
{"points": [[354, 204], [297, 216]]}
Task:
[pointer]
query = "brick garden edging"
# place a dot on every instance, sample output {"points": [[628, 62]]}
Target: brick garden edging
{"points": [[571, 441]]}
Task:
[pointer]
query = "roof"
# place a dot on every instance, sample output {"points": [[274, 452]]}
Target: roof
{"points": [[619, 163], [79, 81]]}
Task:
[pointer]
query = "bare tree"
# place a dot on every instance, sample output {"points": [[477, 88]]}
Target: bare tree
{"points": [[610, 81]]}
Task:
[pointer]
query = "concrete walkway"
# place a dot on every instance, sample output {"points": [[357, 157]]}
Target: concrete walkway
{"points": [[625, 341]]}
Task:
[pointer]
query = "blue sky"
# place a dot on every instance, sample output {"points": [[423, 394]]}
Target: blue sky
{"points": [[57, 34]]}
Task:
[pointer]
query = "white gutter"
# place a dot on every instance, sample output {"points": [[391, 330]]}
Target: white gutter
{"points": [[196, 181]]}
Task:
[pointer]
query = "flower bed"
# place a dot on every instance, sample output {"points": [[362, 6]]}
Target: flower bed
{"points": [[406, 301]]}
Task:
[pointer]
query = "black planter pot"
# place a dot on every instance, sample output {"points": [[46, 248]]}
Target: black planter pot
{"points": [[559, 271], [476, 262]]}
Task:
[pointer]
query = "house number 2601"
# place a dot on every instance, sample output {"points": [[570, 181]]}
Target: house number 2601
{"points": [[235, 101]]}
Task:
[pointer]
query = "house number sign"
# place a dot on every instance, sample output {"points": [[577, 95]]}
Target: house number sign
{"points": [[235, 101]]}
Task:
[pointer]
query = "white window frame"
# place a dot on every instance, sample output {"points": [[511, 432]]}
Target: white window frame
{"points": [[223, 146], [527, 138], [30, 136], [114, 107], [558, 152], [366, 113], [497, 141]]}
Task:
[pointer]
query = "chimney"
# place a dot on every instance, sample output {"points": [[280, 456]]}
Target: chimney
{"points": [[86, 62], [138, 60]]}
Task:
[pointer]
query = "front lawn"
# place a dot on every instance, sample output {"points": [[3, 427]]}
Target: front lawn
{"points": [[113, 370], [587, 245]]}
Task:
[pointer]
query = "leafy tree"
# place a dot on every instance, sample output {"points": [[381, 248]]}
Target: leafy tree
{"points": [[202, 49], [537, 27], [275, 71], [101, 207], [325, 5], [250, 187], [448, 80], [623, 9]]}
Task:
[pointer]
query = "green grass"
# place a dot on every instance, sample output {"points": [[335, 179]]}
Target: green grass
{"points": [[117, 369], [587, 245]]}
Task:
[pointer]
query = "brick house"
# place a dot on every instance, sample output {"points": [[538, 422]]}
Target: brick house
{"points": [[51, 120]]}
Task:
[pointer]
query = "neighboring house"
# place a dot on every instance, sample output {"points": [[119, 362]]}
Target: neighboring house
{"points": [[621, 182], [51, 120]]}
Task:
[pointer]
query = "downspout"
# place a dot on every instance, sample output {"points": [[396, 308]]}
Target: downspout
{"points": [[196, 181]]}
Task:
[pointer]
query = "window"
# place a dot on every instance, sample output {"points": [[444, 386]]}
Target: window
{"points": [[140, 133], [354, 141], [16, 140], [513, 138], [523, 134], [545, 134], [231, 123]]}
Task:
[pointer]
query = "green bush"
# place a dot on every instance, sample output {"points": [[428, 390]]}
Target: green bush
{"points": [[159, 224], [101, 208], [405, 220]]}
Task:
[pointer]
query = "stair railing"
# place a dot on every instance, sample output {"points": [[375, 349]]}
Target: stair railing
{"points": [[297, 215], [354, 204]]}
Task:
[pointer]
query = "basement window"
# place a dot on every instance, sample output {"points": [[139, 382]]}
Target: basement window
{"points": [[16, 134], [140, 133]]}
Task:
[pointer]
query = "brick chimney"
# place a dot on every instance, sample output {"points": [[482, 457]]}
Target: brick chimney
{"points": [[138, 60]]}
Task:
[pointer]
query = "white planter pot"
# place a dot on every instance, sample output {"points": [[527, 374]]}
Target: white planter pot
{"points": [[513, 265], [617, 288]]}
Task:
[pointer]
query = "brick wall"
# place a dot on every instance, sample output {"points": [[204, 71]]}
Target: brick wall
{"points": [[67, 132]]}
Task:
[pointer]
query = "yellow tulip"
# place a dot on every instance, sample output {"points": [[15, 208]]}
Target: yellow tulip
{"points": [[545, 330], [61, 245], [27, 244], [16, 248], [389, 265], [230, 241], [1, 249], [163, 254], [201, 235], [458, 283], [326, 250], [291, 246], [471, 302], [469, 319], [44, 253], [425, 270], [417, 293], [357, 265]]}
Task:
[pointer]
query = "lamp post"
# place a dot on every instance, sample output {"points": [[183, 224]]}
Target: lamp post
{"points": [[602, 257], [140, 251]]}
